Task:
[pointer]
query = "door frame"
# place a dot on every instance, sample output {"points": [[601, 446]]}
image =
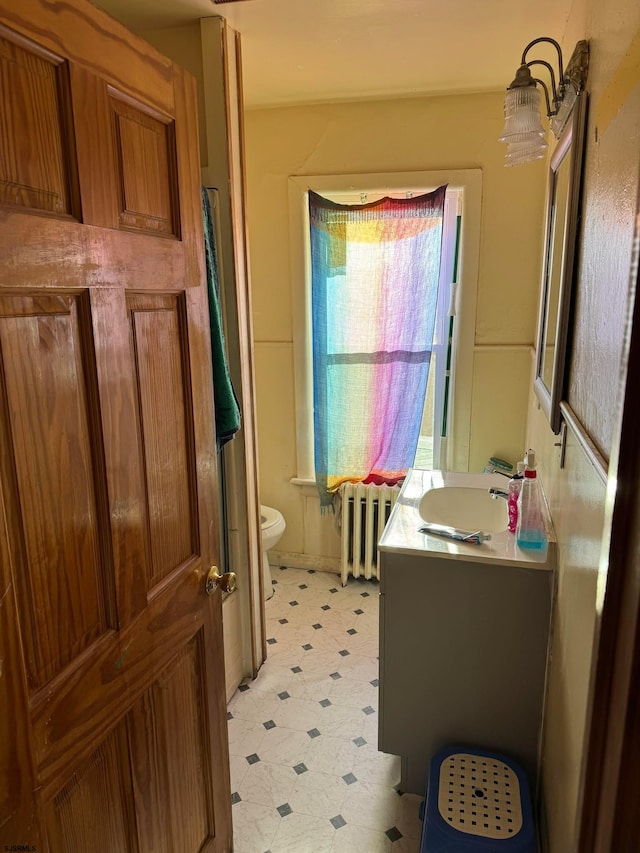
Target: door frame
{"points": [[226, 172], [608, 818]]}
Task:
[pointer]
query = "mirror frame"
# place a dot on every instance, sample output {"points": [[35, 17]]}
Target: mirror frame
{"points": [[570, 145]]}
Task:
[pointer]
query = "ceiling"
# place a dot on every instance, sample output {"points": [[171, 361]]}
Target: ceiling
{"points": [[304, 51]]}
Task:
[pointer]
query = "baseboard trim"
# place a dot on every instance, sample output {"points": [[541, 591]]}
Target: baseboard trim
{"points": [[304, 561]]}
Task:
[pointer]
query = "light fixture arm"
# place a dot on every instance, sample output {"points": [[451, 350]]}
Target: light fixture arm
{"points": [[556, 92], [546, 94], [548, 41]]}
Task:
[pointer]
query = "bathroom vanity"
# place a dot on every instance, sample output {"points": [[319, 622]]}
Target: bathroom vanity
{"points": [[464, 632]]}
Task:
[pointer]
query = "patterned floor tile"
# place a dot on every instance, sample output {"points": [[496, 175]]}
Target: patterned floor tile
{"points": [[355, 694], [284, 746], [245, 736], [363, 645], [327, 641], [238, 768], [267, 784], [306, 773], [313, 686], [285, 655], [288, 577], [406, 845], [254, 826], [358, 839], [300, 833], [253, 705], [273, 679], [373, 809], [361, 668], [318, 794], [408, 819], [379, 769], [342, 721], [297, 714], [320, 660], [332, 755], [350, 601]]}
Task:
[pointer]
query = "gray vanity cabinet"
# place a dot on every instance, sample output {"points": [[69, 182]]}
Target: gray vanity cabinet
{"points": [[463, 654]]}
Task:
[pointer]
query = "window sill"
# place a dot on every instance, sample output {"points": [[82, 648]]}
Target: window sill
{"points": [[307, 484]]}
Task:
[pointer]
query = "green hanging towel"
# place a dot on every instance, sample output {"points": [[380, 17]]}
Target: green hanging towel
{"points": [[226, 402]]}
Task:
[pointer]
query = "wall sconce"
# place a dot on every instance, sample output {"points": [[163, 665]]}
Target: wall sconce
{"points": [[523, 131]]}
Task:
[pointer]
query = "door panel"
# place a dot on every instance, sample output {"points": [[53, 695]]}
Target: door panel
{"points": [[159, 333], [36, 107], [64, 586], [100, 788], [180, 700], [18, 809], [169, 720], [111, 651], [93, 134], [146, 158], [117, 404], [148, 773], [80, 708], [162, 802]]}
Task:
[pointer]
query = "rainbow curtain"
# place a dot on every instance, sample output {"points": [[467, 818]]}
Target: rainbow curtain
{"points": [[375, 270]]}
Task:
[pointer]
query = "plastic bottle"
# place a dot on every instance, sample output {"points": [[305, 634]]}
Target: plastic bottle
{"points": [[515, 485], [530, 529]]}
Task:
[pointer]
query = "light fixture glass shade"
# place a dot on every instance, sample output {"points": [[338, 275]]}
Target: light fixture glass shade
{"points": [[565, 109], [519, 157], [522, 115], [538, 144], [519, 153]]}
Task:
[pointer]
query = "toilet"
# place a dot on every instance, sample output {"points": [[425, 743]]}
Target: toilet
{"points": [[273, 526]]}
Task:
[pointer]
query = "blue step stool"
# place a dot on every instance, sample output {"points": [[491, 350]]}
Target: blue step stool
{"points": [[477, 802]]}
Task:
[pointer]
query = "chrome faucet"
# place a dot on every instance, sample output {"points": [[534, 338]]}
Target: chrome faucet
{"points": [[498, 493]]}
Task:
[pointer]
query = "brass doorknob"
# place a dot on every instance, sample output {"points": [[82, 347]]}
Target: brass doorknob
{"points": [[226, 582]]}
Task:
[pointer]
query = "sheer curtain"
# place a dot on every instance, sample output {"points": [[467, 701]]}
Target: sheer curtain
{"points": [[375, 274]]}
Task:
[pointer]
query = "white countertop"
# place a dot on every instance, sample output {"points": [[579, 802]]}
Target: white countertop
{"points": [[402, 534]]}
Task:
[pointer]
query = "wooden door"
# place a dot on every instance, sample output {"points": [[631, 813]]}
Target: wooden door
{"points": [[112, 710]]}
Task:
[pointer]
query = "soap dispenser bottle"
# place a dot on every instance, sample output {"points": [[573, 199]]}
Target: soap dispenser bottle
{"points": [[530, 528], [513, 493]]}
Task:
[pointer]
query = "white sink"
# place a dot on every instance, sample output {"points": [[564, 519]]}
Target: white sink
{"points": [[464, 507]]}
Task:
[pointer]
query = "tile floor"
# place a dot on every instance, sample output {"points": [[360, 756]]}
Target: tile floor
{"points": [[306, 774]]}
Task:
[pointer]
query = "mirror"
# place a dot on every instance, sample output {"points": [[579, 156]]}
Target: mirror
{"points": [[563, 201]]}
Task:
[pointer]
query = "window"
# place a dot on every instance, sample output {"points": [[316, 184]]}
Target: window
{"points": [[463, 195]]}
